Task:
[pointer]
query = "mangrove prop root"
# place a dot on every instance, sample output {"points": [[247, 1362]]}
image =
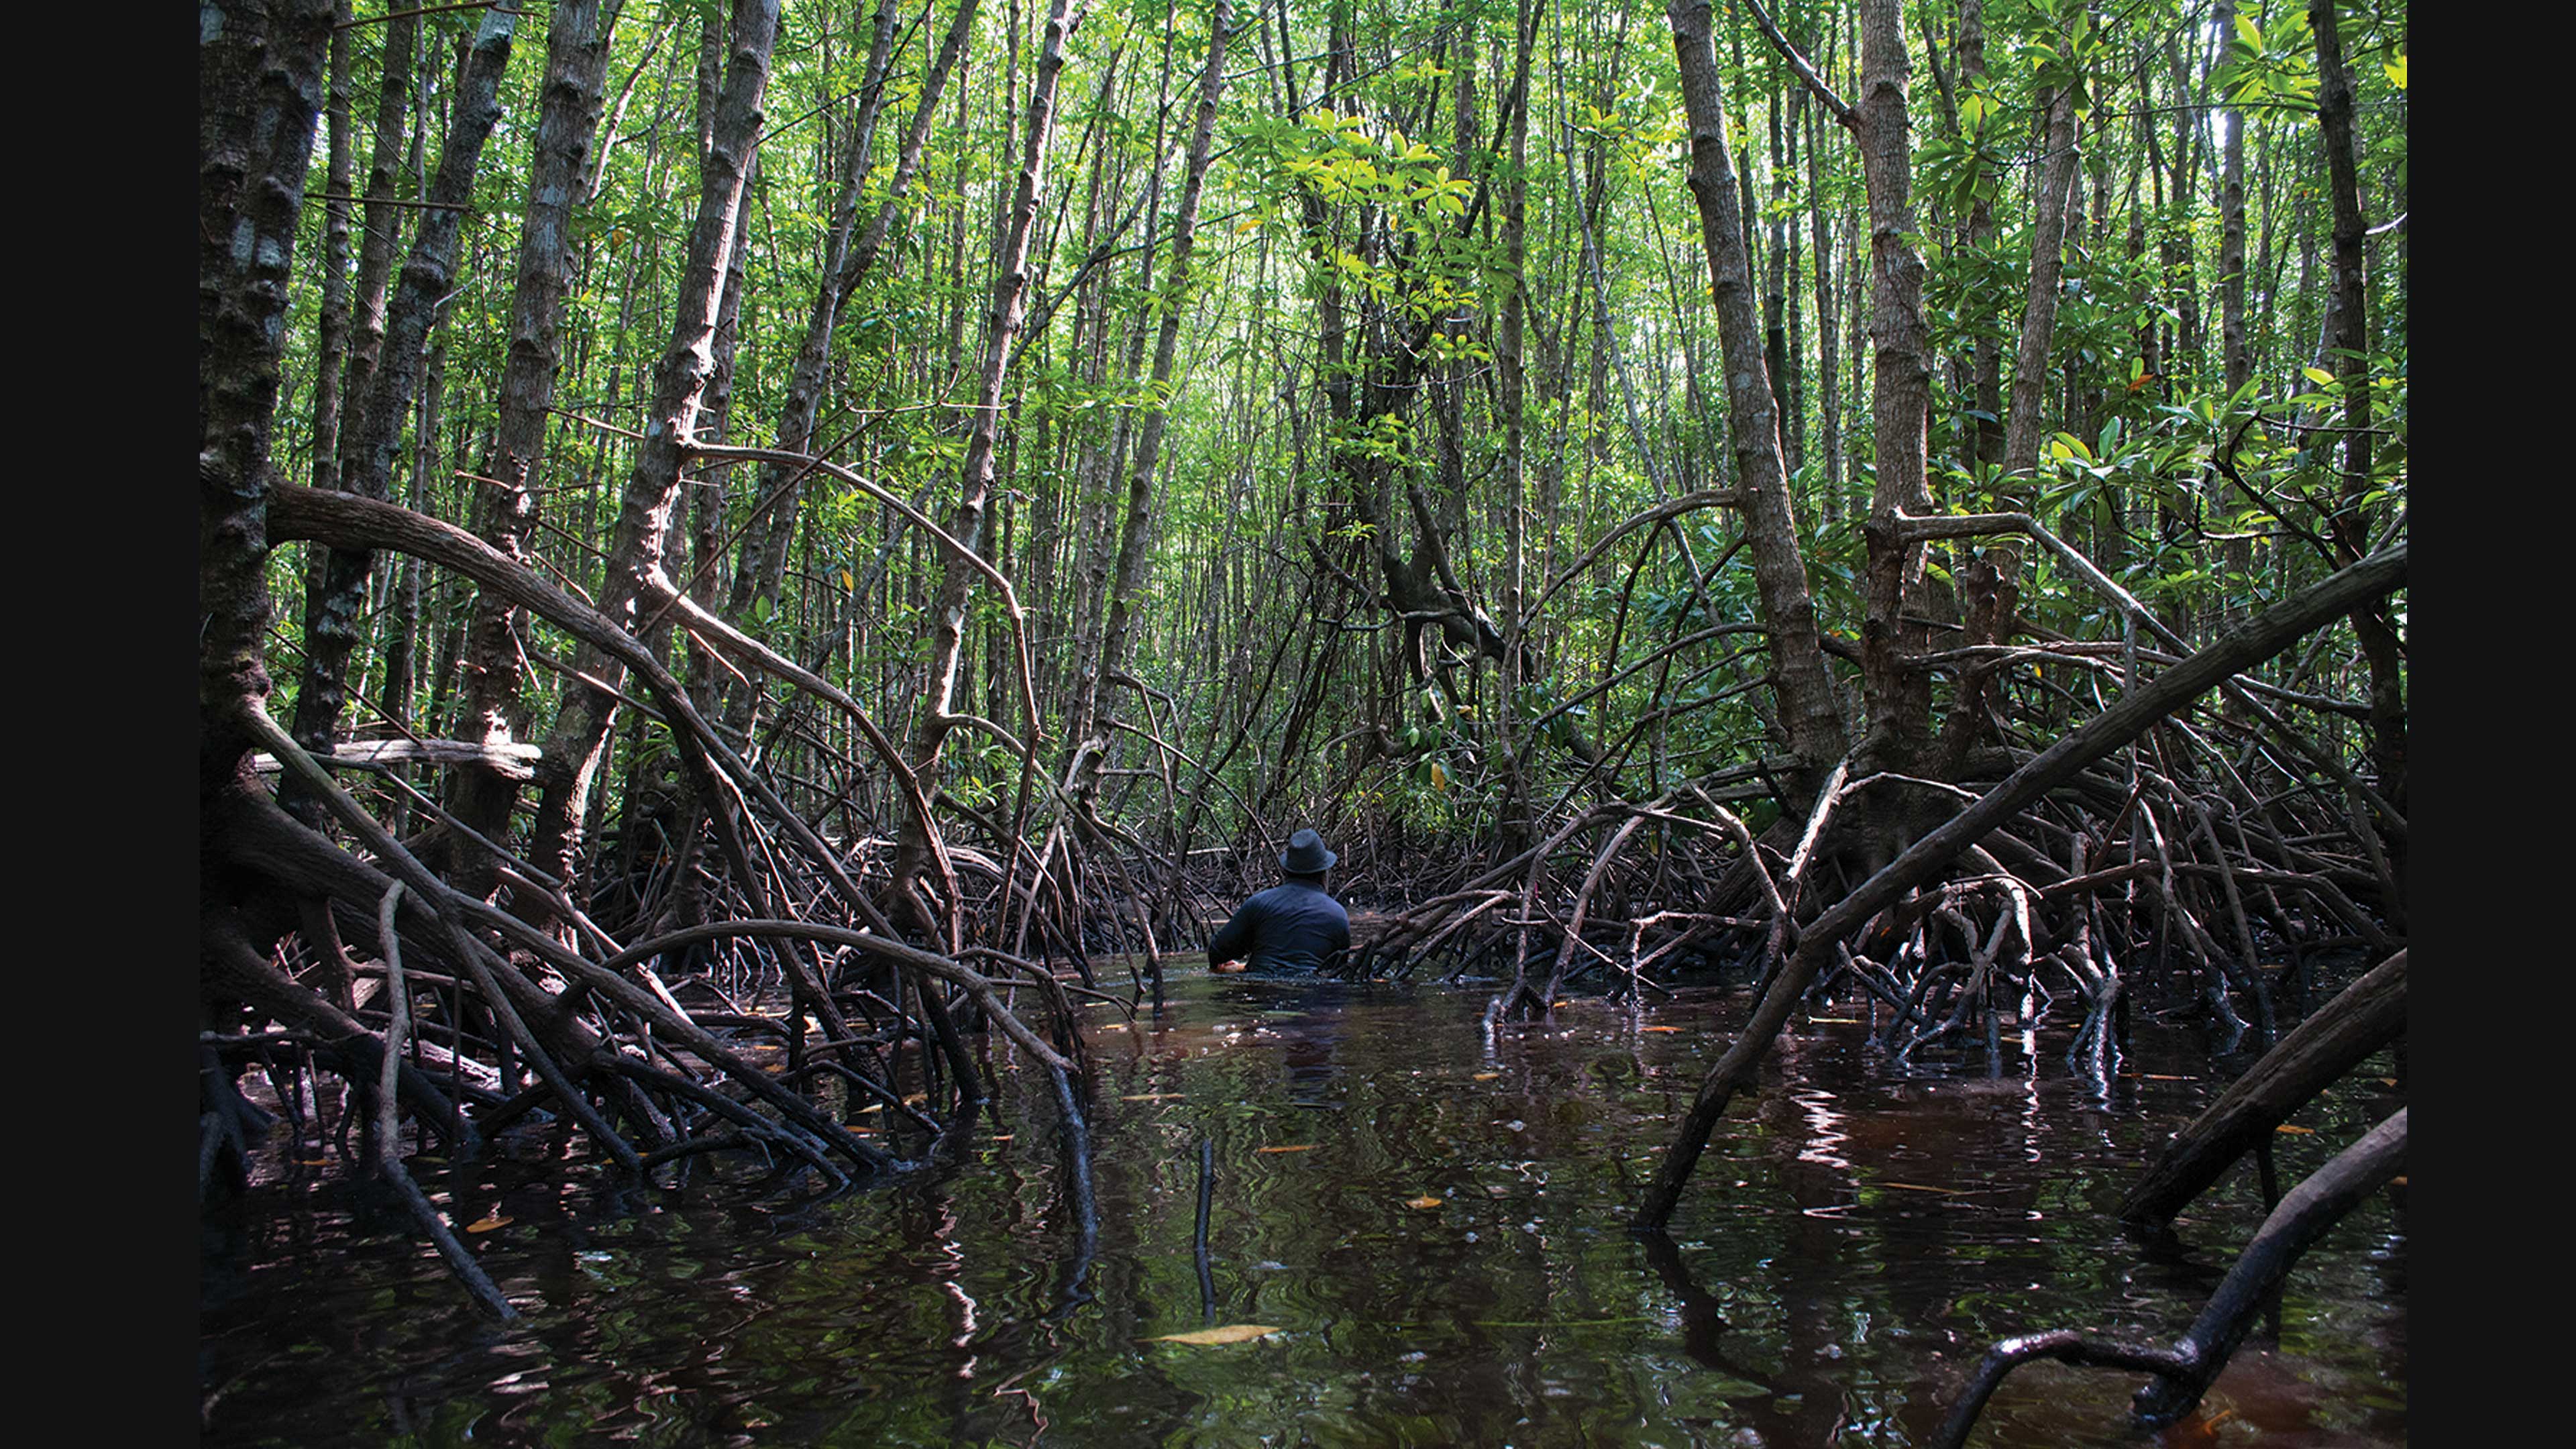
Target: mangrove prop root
{"points": [[2184, 1372]]}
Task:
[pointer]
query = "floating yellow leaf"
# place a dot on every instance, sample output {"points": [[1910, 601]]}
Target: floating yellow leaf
{"points": [[488, 1224], [1115, 1026], [1424, 1201], [1300, 1147], [1231, 1333], [1487, 1076], [1833, 1021], [2301, 1131], [314, 1161], [1152, 1096], [2398, 1181], [2388, 1081], [1659, 1028]]}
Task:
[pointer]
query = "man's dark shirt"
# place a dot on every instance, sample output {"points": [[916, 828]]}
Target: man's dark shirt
{"points": [[1292, 929]]}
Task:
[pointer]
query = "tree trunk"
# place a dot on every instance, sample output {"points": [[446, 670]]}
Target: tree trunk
{"points": [[568, 110], [1809, 712], [1009, 308], [331, 615], [2350, 336], [574, 747]]}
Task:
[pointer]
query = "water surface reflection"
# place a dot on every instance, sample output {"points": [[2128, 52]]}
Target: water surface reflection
{"points": [[1433, 1218]]}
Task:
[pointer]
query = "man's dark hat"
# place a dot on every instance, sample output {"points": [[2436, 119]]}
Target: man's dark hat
{"points": [[1306, 855]]}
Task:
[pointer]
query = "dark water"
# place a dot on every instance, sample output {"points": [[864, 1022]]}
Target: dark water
{"points": [[1851, 1244]]}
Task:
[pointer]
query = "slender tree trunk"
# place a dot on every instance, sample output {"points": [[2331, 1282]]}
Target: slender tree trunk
{"points": [[574, 747], [1136, 529], [2350, 337], [568, 109], [1009, 309], [1810, 713], [331, 615], [776, 494]]}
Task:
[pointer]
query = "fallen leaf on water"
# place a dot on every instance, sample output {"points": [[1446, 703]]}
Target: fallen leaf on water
{"points": [[1487, 1076], [1115, 1026], [1918, 1187], [2301, 1131], [2162, 1077], [314, 1161], [1300, 1147], [1152, 1096], [1424, 1201], [1659, 1028], [1231, 1333], [488, 1224], [2388, 1081], [2398, 1181], [1833, 1021]]}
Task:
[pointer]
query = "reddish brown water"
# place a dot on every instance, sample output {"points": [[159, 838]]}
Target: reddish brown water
{"points": [[1854, 1239]]}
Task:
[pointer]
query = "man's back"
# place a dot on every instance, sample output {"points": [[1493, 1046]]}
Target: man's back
{"points": [[1291, 929]]}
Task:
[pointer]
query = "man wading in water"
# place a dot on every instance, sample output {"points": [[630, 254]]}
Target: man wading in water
{"points": [[1291, 929]]}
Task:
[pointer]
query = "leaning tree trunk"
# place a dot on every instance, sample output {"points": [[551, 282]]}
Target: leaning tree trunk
{"points": [[2184, 1372], [580, 735], [2366, 1016]]}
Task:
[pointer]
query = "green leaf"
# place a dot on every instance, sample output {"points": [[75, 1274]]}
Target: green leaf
{"points": [[1231, 1333], [2319, 376]]}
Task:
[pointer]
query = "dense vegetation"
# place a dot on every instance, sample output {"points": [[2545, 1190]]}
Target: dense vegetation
{"points": [[886, 502]]}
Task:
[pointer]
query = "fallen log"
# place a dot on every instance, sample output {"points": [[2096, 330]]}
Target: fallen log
{"points": [[512, 761]]}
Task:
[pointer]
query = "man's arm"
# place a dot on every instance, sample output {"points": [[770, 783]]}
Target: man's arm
{"points": [[1233, 940]]}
